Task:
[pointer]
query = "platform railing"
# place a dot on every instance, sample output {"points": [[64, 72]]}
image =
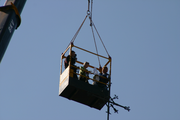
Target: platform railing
{"points": [[72, 72], [89, 77]]}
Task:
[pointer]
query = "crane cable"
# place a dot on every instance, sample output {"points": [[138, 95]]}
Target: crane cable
{"points": [[101, 40], [93, 25], [74, 37], [89, 13], [95, 46], [90, 18]]}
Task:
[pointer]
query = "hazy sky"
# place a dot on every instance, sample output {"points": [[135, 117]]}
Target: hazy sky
{"points": [[142, 37]]}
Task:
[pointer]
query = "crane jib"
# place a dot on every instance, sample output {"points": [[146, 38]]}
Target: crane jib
{"points": [[9, 21]]}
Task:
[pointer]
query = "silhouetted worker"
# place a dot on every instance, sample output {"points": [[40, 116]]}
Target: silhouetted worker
{"points": [[73, 61], [83, 72]]}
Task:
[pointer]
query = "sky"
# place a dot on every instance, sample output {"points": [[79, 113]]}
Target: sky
{"points": [[142, 37]]}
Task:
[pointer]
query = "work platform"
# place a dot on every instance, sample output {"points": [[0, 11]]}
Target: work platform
{"points": [[82, 92]]}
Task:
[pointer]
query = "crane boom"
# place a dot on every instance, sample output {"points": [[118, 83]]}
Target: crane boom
{"points": [[9, 21]]}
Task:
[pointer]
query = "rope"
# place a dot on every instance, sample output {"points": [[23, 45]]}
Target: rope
{"points": [[89, 13], [95, 46], [92, 24], [74, 37], [90, 17], [88, 5], [101, 40], [91, 7]]}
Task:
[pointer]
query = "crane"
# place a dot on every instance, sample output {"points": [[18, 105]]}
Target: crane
{"points": [[9, 21]]}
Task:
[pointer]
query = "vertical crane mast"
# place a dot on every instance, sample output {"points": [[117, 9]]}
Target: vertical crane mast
{"points": [[9, 21]]}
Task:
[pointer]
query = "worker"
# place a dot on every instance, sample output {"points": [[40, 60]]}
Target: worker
{"points": [[104, 78], [73, 61], [83, 73]]}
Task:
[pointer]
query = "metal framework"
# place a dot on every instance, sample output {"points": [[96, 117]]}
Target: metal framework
{"points": [[70, 49]]}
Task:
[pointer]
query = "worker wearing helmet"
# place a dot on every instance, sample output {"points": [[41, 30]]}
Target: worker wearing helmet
{"points": [[83, 73]]}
